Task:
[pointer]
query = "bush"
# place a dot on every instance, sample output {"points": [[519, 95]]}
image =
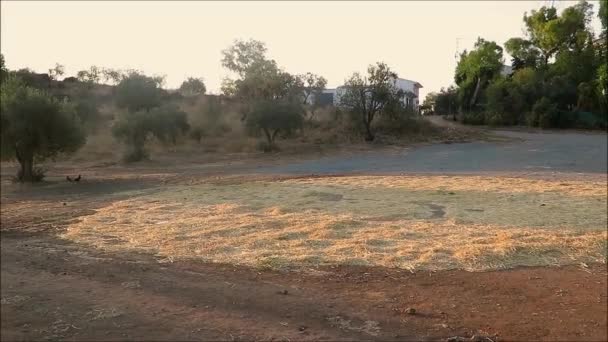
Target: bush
{"points": [[134, 128], [138, 92], [474, 118], [544, 113], [274, 117], [167, 123]]}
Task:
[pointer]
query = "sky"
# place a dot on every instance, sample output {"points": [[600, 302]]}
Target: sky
{"points": [[416, 39]]}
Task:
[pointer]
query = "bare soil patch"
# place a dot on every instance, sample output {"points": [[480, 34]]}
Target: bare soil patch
{"points": [[53, 289]]}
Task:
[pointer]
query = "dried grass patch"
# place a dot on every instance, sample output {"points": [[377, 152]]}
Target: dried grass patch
{"points": [[470, 223]]}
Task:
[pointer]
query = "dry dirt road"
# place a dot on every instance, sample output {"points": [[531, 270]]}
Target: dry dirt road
{"points": [[523, 151]]}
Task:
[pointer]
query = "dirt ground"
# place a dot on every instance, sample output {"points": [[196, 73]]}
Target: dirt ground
{"points": [[60, 289]]}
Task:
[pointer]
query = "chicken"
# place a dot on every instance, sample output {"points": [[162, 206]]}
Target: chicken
{"points": [[68, 178]]}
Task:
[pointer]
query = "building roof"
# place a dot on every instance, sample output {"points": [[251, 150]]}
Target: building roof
{"points": [[417, 84]]}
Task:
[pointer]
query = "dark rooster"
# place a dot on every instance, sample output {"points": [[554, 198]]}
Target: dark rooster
{"points": [[77, 179]]}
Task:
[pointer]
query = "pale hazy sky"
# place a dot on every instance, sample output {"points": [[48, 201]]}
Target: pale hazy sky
{"points": [[181, 39]]}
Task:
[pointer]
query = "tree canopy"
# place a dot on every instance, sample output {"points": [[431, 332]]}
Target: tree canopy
{"points": [[370, 95], [193, 87], [35, 126]]}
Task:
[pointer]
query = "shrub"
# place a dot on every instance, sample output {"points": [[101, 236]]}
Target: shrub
{"points": [[134, 128], [274, 117], [474, 118], [544, 113]]}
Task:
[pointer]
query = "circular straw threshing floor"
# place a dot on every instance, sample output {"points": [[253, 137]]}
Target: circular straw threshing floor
{"points": [[413, 222]]}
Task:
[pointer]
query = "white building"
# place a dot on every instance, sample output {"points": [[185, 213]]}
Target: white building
{"points": [[411, 91]]}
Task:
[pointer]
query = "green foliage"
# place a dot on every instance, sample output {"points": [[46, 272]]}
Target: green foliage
{"points": [[242, 56], [193, 87], [505, 102], [274, 117], [524, 53], [260, 79], [550, 32], [447, 101], [556, 79], [142, 96], [34, 127], [602, 84], [165, 123], [3, 69], [366, 97], [137, 92], [133, 129], [476, 68], [31, 79], [544, 113]]}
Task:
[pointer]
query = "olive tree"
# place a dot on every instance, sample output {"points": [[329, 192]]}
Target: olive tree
{"points": [[193, 87], [259, 78], [274, 117], [35, 127], [137, 91], [141, 96], [368, 96]]}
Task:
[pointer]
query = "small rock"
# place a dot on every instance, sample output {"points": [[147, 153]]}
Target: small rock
{"points": [[456, 339], [65, 203], [302, 327], [451, 193], [284, 292], [410, 311], [543, 204]]}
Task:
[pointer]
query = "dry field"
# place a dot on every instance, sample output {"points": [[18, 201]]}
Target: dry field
{"points": [[409, 222]]}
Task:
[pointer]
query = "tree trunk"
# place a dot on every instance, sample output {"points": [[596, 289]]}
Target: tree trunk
{"points": [[367, 122], [476, 93], [269, 137], [26, 172]]}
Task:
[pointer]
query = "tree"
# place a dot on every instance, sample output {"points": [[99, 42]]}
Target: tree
{"points": [[193, 87], [56, 72], [312, 86], [523, 52], [259, 78], [112, 76], [3, 69], [274, 117], [447, 101], [167, 123], [549, 32], [137, 92], [368, 96], [476, 68], [34, 127], [141, 96], [242, 56], [91, 76]]}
